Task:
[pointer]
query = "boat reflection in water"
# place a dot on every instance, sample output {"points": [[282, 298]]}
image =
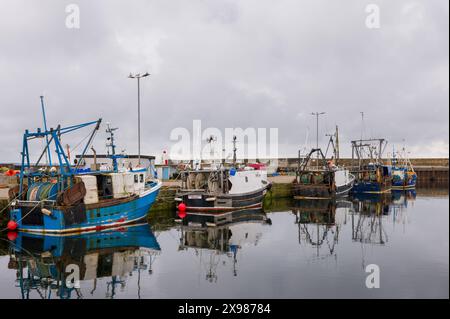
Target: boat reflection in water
{"points": [[371, 210], [49, 265], [217, 239], [320, 222]]}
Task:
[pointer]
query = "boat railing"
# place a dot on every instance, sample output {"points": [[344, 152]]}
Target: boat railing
{"points": [[33, 203]]}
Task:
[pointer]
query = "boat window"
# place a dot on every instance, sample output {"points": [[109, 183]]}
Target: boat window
{"points": [[136, 178], [246, 179], [141, 178]]}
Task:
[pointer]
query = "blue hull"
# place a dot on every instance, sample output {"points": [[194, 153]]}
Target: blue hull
{"points": [[369, 187], [93, 219], [403, 185], [124, 237]]}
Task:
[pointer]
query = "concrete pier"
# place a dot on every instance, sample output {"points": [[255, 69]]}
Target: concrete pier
{"points": [[432, 175]]}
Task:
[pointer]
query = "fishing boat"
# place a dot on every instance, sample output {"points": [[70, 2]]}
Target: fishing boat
{"points": [[321, 182], [46, 264], [403, 175], [371, 174], [324, 180], [66, 198], [218, 188]]}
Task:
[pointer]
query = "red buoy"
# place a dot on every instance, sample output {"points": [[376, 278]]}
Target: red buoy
{"points": [[182, 210], [12, 235], [12, 225], [182, 207]]}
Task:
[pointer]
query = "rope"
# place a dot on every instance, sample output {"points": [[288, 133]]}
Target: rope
{"points": [[93, 135], [82, 140], [9, 204]]}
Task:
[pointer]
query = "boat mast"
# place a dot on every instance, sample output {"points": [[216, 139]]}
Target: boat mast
{"points": [[91, 138], [336, 151], [334, 141], [49, 156], [65, 169], [110, 130], [234, 150], [317, 114], [362, 125]]}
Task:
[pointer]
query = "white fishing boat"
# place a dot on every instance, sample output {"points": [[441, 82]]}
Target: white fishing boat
{"points": [[218, 188]]}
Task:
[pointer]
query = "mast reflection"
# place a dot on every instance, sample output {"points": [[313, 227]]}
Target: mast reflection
{"points": [[217, 239], [321, 222]]}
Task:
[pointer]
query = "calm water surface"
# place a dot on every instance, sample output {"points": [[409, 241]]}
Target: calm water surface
{"points": [[292, 250]]}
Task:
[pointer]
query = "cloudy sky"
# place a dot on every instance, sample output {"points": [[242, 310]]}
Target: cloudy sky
{"points": [[251, 63]]}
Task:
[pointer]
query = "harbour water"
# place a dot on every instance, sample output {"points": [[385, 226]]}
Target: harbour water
{"points": [[291, 250]]}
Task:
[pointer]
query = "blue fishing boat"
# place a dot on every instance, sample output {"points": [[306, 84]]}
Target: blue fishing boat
{"points": [[46, 264], [65, 198], [403, 178], [372, 176], [403, 175]]}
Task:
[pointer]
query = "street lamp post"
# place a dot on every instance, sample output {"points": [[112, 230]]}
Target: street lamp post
{"points": [[138, 76], [317, 114]]}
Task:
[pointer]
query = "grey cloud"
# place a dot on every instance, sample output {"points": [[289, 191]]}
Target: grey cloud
{"points": [[230, 64]]}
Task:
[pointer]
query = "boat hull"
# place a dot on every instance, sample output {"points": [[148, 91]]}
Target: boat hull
{"points": [[205, 202], [84, 218], [361, 187], [223, 218], [321, 191], [138, 235], [404, 184]]}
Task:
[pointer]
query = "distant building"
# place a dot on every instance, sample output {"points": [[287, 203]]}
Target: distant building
{"points": [[166, 172], [167, 168]]}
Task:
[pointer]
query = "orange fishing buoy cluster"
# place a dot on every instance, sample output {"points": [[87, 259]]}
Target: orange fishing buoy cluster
{"points": [[12, 225], [12, 172]]}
